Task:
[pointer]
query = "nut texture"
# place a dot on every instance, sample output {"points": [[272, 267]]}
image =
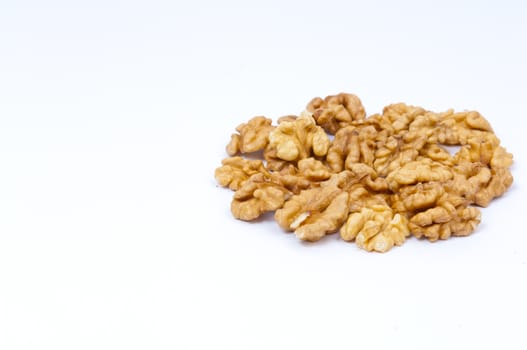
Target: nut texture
{"points": [[257, 196], [252, 136], [315, 212], [335, 112], [236, 170], [298, 139], [378, 179], [376, 228]]}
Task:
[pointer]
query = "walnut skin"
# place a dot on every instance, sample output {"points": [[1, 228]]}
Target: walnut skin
{"points": [[377, 181], [421, 170], [318, 211], [291, 178], [335, 112], [352, 145], [252, 136], [376, 228], [458, 128], [257, 196], [236, 170], [444, 221], [421, 196], [481, 170], [401, 115], [313, 169], [299, 139], [344, 149]]}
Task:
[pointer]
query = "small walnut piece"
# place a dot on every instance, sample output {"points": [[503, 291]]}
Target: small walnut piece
{"points": [[299, 139], [313, 169], [335, 112], [353, 145], [252, 137], [291, 178], [401, 115], [236, 170], [344, 149], [501, 180], [377, 181], [376, 228], [257, 196], [458, 128], [422, 170], [318, 211], [317, 224], [417, 197], [444, 221], [481, 170]]}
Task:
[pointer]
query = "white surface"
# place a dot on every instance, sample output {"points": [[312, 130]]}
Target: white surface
{"points": [[114, 235]]}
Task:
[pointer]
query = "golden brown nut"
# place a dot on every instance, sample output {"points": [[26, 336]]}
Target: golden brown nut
{"points": [[313, 170], [477, 150], [401, 115], [417, 197], [361, 197], [414, 134], [317, 224], [317, 211], [252, 136], [394, 152], [236, 170], [469, 179], [352, 145], [444, 221], [272, 162], [344, 149], [257, 196], [290, 178], [336, 112], [299, 139], [287, 118], [367, 145], [376, 228], [437, 153], [420, 170], [425, 127], [501, 180], [367, 176], [481, 171], [501, 159], [458, 128], [308, 174]]}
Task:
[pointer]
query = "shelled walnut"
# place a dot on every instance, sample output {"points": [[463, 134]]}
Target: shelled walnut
{"points": [[335, 112], [298, 139], [252, 136], [376, 228], [256, 196], [377, 180]]}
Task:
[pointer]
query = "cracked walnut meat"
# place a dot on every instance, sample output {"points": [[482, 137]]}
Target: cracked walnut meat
{"points": [[376, 180]]}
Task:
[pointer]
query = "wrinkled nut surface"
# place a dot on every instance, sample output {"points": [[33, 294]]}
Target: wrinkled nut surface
{"points": [[252, 136], [419, 171], [315, 212], [377, 181], [441, 222], [335, 112], [299, 139], [236, 170], [257, 196], [376, 228]]}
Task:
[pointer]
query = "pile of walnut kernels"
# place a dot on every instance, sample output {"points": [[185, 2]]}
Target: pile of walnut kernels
{"points": [[376, 181]]}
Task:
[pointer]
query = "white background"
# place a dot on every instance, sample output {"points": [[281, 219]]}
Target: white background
{"points": [[114, 235]]}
